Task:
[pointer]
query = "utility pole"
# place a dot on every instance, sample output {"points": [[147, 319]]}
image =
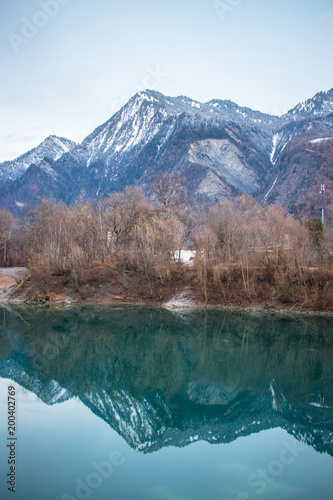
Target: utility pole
{"points": [[322, 192]]}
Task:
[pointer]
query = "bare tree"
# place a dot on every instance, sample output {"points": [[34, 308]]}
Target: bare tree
{"points": [[6, 229], [121, 212], [170, 191]]}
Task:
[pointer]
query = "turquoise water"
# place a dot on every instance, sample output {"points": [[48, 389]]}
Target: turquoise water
{"points": [[151, 404]]}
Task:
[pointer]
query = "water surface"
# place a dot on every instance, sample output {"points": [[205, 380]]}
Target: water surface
{"points": [[136, 403]]}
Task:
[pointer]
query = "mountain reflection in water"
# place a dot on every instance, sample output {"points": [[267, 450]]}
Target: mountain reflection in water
{"points": [[161, 377]]}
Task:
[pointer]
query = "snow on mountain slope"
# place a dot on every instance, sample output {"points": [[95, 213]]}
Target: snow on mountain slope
{"points": [[220, 148], [153, 132], [134, 125], [144, 117], [52, 147], [292, 123], [279, 143], [319, 105], [321, 139]]}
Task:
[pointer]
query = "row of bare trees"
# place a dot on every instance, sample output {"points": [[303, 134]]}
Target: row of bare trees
{"points": [[128, 230], [125, 230], [241, 236]]}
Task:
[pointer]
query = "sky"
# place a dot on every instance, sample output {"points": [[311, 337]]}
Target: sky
{"points": [[68, 65]]}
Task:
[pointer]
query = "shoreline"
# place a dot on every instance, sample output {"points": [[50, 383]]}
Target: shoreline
{"points": [[19, 287], [151, 304]]}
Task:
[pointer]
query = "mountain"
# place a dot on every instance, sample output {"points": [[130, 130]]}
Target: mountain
{"points": [[303, 156], [160, 378], [320, 105], [52, 147], [220, 148], [303, 161]]}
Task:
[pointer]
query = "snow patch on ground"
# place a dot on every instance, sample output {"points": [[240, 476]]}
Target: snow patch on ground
{"points": [[181, 299], [322, 139], [275, 142], [185, 256], [270, 190]]}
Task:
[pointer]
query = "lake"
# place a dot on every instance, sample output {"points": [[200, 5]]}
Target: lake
{"points": [[130, 403]]}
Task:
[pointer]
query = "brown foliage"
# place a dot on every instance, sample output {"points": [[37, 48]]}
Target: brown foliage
{"points": [[244, 254]]}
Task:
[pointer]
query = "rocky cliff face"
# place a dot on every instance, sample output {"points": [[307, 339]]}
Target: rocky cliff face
{"points": [[220, 148]]}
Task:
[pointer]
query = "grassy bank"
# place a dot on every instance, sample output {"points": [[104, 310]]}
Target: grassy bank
{"points": [[259, 289]]}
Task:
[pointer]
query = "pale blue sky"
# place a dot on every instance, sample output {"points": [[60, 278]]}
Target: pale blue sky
{"points": [[81, 65]]}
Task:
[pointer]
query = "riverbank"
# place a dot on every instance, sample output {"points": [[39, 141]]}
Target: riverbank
{"points": [[19, 285]]}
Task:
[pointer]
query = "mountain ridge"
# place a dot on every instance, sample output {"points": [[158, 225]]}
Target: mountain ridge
{"points": [[52, 147], [220, 148]]}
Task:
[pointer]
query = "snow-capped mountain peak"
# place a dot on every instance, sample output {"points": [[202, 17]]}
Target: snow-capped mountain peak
{"points": [[319, 105], [149, 115], [133, 125], [52, 147], [220, 148]]}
